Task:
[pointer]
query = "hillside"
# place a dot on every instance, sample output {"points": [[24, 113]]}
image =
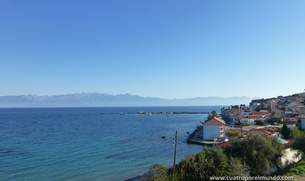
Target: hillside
{"points": [[98, 99], [292, 103]]}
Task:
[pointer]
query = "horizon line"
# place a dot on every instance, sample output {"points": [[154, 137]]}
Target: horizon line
{"points": [[62, 94]]}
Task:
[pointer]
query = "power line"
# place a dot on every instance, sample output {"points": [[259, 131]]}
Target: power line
{"points": [[79, 159]]}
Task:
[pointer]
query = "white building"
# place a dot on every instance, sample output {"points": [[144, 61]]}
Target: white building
{"points": [[251, 119], [303, 123], [290, 124], [213, 128]]}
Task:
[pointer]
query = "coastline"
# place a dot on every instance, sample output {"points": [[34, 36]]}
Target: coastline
{"points": [[141, 177], [193, 139]]}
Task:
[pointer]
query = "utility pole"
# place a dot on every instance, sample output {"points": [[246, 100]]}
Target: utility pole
{"points": [[175, 151]]}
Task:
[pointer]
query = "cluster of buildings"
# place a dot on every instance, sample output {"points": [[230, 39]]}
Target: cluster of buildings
{"points": [[289, 108], [215, 129], [263, 117]]}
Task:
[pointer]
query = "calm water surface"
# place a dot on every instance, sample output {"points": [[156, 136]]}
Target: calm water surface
{"points": [[89, 145]]}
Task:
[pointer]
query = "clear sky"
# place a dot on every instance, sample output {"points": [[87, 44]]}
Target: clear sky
{"points": [[153, 48]]}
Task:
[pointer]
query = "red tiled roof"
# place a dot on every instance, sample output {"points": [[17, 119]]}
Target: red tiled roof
{"points": [[300, 116], [258, 131], [253, 117], [270, 137], [254, 112], [288, 122], [290, 116], [272, 129], [260, 113], [229, 143], [214, 121]]}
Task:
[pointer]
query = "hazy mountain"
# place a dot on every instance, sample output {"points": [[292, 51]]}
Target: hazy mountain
{"points": [[98, 99]]}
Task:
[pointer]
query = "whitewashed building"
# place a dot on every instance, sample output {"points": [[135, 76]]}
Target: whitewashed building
{"points": [[303, 123], [290, 124], [213, 128], [251, 119]]}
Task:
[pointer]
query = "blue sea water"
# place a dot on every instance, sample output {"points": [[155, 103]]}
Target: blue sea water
{"points": [[84, 144]]}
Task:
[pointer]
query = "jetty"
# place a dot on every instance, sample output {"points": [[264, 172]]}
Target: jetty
{"points": [[196, 138], [161, 113]]}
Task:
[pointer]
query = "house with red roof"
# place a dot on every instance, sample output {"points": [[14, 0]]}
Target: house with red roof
{"points": [[250, 119], [244, 132], [261, 132], [264, 110], [290, 124], [213, 128], [300, 116]]}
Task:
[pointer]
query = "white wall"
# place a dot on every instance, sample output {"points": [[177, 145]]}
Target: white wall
{"points": [[303, 123], [211, 131], [290, 126], [248, 121]]}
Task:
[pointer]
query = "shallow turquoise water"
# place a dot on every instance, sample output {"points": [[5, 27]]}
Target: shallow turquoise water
{"points": [[83, 144]]}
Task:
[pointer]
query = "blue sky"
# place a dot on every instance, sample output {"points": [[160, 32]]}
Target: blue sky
{"points": [[166, 49]]}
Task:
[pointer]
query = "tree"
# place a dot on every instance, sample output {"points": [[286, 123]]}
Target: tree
{"points": [[258, 152], [273, 120], [214, 113], [299, 140], [157, 173], [285, 131], [259, 122], [210, 162], [235, 106], [284, 109], [269, 109], [233, 135], [257, 109]]}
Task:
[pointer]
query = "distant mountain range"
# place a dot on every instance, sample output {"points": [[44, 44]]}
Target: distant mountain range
{"points": [[106, 100]]}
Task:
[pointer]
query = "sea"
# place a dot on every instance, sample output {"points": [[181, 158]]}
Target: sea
{"points": [[86, 144]]}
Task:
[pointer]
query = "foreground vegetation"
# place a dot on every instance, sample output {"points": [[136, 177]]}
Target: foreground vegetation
{"points": [[295, 169], [199, 167], [254, 155], [298, 144]]}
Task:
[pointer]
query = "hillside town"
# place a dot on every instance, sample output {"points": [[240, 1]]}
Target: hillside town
{"points": [[274, 111], [263, 117]]}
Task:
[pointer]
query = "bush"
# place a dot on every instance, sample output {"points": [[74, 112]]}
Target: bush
{"points": [[295, 169], [233, 135], [273, 120], [157, 173], [200, 166], [259, 122], [258, 152]]}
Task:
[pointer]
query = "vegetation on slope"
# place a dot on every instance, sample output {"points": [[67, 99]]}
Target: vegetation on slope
{"points": [[253, 155]]}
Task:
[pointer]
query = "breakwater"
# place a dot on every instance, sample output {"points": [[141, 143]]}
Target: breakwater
{"points": [[165, 113]]}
